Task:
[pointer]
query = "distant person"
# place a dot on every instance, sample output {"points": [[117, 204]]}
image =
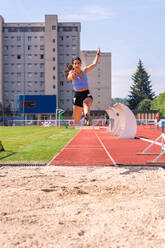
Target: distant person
{"points": [[82, 100], [157, 119], [106, 117]]}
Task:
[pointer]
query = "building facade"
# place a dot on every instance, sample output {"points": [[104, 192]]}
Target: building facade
{"points": [[99, 79], [33, 57]]}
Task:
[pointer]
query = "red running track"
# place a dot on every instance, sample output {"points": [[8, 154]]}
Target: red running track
{"points": [[96, 147]]}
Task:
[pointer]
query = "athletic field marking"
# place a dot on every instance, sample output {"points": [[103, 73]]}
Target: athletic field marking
{"points": [[113, 161], [49, 163]]}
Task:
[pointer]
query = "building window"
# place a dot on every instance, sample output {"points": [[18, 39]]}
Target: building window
{"points": [[41, 47], [61, 83], [29, 47], [54, 77], [18, 74], [18, 38], [41, 56], [53, 27], [18, 47], [29, 74], [18, 56], [29, 38], [54, 58], [6, 48], [6, 57], [54, 40], [73, 46], [41, 74], [54, 68], [41, 38], [54, 86], [70, 29], [54, 49], [5, 30], [41, 65]]}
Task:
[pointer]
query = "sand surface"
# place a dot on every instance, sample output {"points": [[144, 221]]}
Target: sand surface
{"points": [[80, 207]]}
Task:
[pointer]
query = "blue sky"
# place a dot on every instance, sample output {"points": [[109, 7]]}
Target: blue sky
{"points": [[129, 29]]}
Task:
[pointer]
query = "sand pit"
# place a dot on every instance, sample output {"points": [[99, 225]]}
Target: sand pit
{"points": [[80, 207]]}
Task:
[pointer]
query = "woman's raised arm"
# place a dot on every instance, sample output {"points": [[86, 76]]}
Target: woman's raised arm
{"points": [[93, 65]]}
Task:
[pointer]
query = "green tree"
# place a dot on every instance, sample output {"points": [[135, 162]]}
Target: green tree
{"points": [[141, 88], [119, 100], [144, 104], [159, 104]]}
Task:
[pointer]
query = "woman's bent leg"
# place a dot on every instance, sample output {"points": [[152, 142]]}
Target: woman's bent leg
{"points": [[87, 103], [77, 113]]}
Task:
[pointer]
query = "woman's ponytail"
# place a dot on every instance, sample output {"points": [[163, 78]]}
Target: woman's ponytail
{"points": [[69, 68]]}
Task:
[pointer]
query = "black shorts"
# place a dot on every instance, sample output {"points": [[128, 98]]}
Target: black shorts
{"points": [[80, 96]]}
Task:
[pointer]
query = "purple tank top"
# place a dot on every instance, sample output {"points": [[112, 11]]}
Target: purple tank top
{"points": [[80, 83]]}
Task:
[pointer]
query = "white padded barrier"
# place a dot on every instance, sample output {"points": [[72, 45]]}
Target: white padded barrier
{"points": [[125, 125], [114, 123]]}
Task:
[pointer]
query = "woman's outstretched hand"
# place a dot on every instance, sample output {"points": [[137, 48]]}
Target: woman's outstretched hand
{"points": [[98, 51]]}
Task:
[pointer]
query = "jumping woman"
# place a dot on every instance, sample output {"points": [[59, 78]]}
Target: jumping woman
{"points": [[82, 100]]}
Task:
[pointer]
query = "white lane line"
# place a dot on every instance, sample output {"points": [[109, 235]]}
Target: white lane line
{"points": [[113, 161], [49, 163]]}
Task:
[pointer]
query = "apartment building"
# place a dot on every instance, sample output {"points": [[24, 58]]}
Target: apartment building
{"points": [[99, 79], [33, 57]]}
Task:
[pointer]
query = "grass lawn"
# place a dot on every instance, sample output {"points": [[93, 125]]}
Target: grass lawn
{"points": [[32, 144]]}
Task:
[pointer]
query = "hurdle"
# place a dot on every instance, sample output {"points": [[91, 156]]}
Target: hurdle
{"points": [[124, 123], [155, 142]]}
